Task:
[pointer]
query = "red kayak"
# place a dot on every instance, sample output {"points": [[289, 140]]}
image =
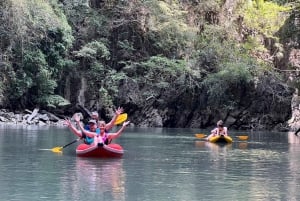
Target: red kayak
{"points": [[106, 151]]}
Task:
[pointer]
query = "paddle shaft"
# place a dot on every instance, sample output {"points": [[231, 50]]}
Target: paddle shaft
{"points": [[70, 143]]}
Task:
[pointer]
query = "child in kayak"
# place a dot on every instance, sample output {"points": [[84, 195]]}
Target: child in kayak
{"points": [[220, 130]]}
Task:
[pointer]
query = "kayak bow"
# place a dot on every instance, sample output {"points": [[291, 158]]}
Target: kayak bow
{"points": [[105, 151]]}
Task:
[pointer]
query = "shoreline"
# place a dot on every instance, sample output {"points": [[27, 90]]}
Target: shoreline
{"points": [[28, 117]]}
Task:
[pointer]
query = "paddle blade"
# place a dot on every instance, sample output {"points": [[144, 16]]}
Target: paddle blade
{"points": [[57, 149], [200, 135], [121, 118], [243, 137]]}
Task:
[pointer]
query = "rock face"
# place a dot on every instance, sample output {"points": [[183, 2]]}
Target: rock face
{"points": [[294, 121], [261, 108], [265, 104], [28, 117]]}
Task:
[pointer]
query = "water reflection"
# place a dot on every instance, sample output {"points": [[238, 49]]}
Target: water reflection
{"points": [[294, 164], [157, 165], [243, 145], [293, 139], [103, 178], [215, 147]]}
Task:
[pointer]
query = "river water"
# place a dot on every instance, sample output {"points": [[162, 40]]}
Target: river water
{"points": [[158, 165]]}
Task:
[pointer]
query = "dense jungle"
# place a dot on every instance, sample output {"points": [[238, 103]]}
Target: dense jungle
{"points": [[168, 63]]}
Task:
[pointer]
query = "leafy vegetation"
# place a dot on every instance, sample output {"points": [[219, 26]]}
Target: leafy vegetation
{"points": [[39, 37], [166, 47], [264, 17]]}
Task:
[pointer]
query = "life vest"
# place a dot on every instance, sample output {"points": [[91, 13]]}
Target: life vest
{"points": [[89, 140], [105, 139]]}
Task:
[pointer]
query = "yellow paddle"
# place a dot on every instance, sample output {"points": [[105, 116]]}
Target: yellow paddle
{"points": [[200, 135], [240, 137], [59, 149], [120, 119], [243, 137]]}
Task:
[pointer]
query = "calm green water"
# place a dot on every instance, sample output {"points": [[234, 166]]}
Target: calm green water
{"points": [[158, 165]]}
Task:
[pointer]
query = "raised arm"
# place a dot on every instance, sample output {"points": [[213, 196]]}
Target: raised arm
{"points": [[72, 128], [86, 132], [112, 136], [113, 120]]}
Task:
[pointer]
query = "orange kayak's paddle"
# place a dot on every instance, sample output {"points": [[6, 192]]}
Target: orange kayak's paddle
{"points": [[200, 135], [240, 137]]}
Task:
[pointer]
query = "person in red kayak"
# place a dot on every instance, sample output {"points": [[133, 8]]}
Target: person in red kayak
{"points": [[95, 116], [106, 137], [90, 132], [219, 130], [94, 135]]}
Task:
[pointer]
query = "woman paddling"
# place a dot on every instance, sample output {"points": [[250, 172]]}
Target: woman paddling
{"points": [[220, 130]]}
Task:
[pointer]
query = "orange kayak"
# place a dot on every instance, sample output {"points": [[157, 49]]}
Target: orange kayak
{"points": [[220, 139]]}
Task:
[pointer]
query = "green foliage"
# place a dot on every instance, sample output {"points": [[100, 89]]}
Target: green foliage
{"points": [[227, 70], [20, 82], [105, 79], [40, 37], [105, 98], [34, 61], [112, 82], [53, 101], [214, 48], [264, 17], [254, 44], [163, 68], [93, 51], [125, 45], [168, 30], [283, 2], [226, 87], [165, 64], [153, 38], [43, 85]]}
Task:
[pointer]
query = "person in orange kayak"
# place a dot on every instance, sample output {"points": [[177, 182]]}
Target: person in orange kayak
{"points": [[219, 130]]}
